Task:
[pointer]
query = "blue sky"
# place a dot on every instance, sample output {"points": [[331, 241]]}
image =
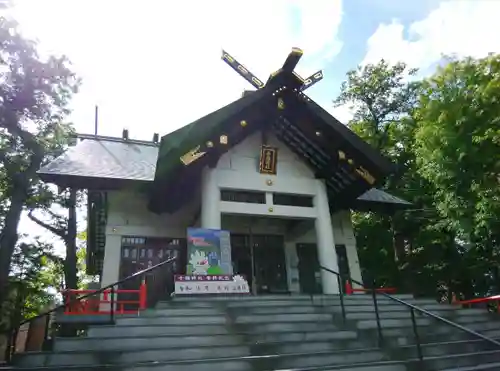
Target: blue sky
{"points": [[360, 21], [154, 65]]}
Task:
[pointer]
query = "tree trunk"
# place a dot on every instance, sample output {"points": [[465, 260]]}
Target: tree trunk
{"points": [[9, 237]]}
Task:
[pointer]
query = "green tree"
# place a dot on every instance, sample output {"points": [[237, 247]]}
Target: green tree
{"points": [[458, 149], [33, 282], [34, 94], [63, 226], [396, 249]]}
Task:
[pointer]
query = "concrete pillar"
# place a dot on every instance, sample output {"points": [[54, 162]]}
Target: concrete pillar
{"points": [[210, 200], [111, 263], [327, 255]]}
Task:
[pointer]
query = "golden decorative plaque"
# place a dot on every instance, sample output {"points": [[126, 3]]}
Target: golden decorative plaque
{"points": [[268, 160], [192, 156]]}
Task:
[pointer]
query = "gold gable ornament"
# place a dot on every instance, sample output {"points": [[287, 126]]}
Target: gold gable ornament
{"points": [[360, 170], [268, 160], [365, 174], [281, 103], [191, 156]]}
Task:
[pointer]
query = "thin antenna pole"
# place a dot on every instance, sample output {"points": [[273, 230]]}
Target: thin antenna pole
{"points": [[96, 119]]}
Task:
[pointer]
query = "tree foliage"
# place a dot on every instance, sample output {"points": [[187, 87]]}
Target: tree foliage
{"points": [[35, 277], [62, 226], [443, 133], [34, 96], [458, 150]]}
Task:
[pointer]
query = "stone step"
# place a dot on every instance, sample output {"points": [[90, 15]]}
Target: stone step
{"points": [[125, 361], [171, 320], [494, 334], [404, 297], [390, 307], [392, 323], [430, 330], [271, 303], [180, 341], [216, 329], [455, 361], [382, 315], [473, 312], [293, 297], [243, 364], [144, 342], [232, 298], [406, 336], [284, 327], [89, 358], [484, 326], [457, 317], [278, 309], [300, 336], [311, 346], [490, 366], [380, 366], [466, 320], [134, 331], [287, 309], [325, 360], [274, 318], [444, 349], [175, 311]]}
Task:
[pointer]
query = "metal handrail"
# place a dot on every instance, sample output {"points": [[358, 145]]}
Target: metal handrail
{"points": [[413, 309], [10, 352]]}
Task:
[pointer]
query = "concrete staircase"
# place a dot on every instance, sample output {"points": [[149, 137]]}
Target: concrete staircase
{"points": [[276, 333]]}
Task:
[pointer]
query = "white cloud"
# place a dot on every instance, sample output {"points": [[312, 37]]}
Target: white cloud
{"points": [[463, 28], [154, 66], [343, 113]]}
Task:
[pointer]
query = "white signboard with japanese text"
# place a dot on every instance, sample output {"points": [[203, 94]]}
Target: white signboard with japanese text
{"points": [[216, 284]]}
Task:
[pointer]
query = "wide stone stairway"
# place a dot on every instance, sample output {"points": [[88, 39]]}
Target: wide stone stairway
{"points": [[278, 333]]}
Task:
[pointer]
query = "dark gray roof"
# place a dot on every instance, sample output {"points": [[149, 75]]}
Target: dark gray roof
{"points": [[136, 160], [377, 195], [117, 159]]}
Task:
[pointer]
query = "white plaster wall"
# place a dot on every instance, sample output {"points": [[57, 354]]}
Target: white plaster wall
{"points": [[344, 235], [245, 158], [292, 259], [238, 170], [242, 225], [128, 216]]}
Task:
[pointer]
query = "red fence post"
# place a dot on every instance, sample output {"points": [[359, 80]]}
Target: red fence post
{"points": [[348, 288], [143, 295]]}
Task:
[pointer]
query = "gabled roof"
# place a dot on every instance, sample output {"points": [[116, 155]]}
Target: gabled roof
{"points": [[108, 163], [103, 162], [349, 165]]}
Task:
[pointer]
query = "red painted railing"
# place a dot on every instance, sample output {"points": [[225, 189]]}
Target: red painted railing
{"points": [[93, 305], [349, 290], [494, 298]]}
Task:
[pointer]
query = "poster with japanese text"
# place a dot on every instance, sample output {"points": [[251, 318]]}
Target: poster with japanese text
{"points": [[208, 251]]}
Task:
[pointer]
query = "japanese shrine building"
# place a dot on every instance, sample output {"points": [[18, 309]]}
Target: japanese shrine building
{"points": [[273, 168]]}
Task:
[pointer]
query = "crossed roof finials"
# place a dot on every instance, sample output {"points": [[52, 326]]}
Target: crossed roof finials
{"points": [[289, 66]]}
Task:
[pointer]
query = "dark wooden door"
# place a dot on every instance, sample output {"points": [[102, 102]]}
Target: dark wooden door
{"points": [[139, 253], [241, 257], [343, 263], [308, 266], [270, 266], [264, 261]]}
